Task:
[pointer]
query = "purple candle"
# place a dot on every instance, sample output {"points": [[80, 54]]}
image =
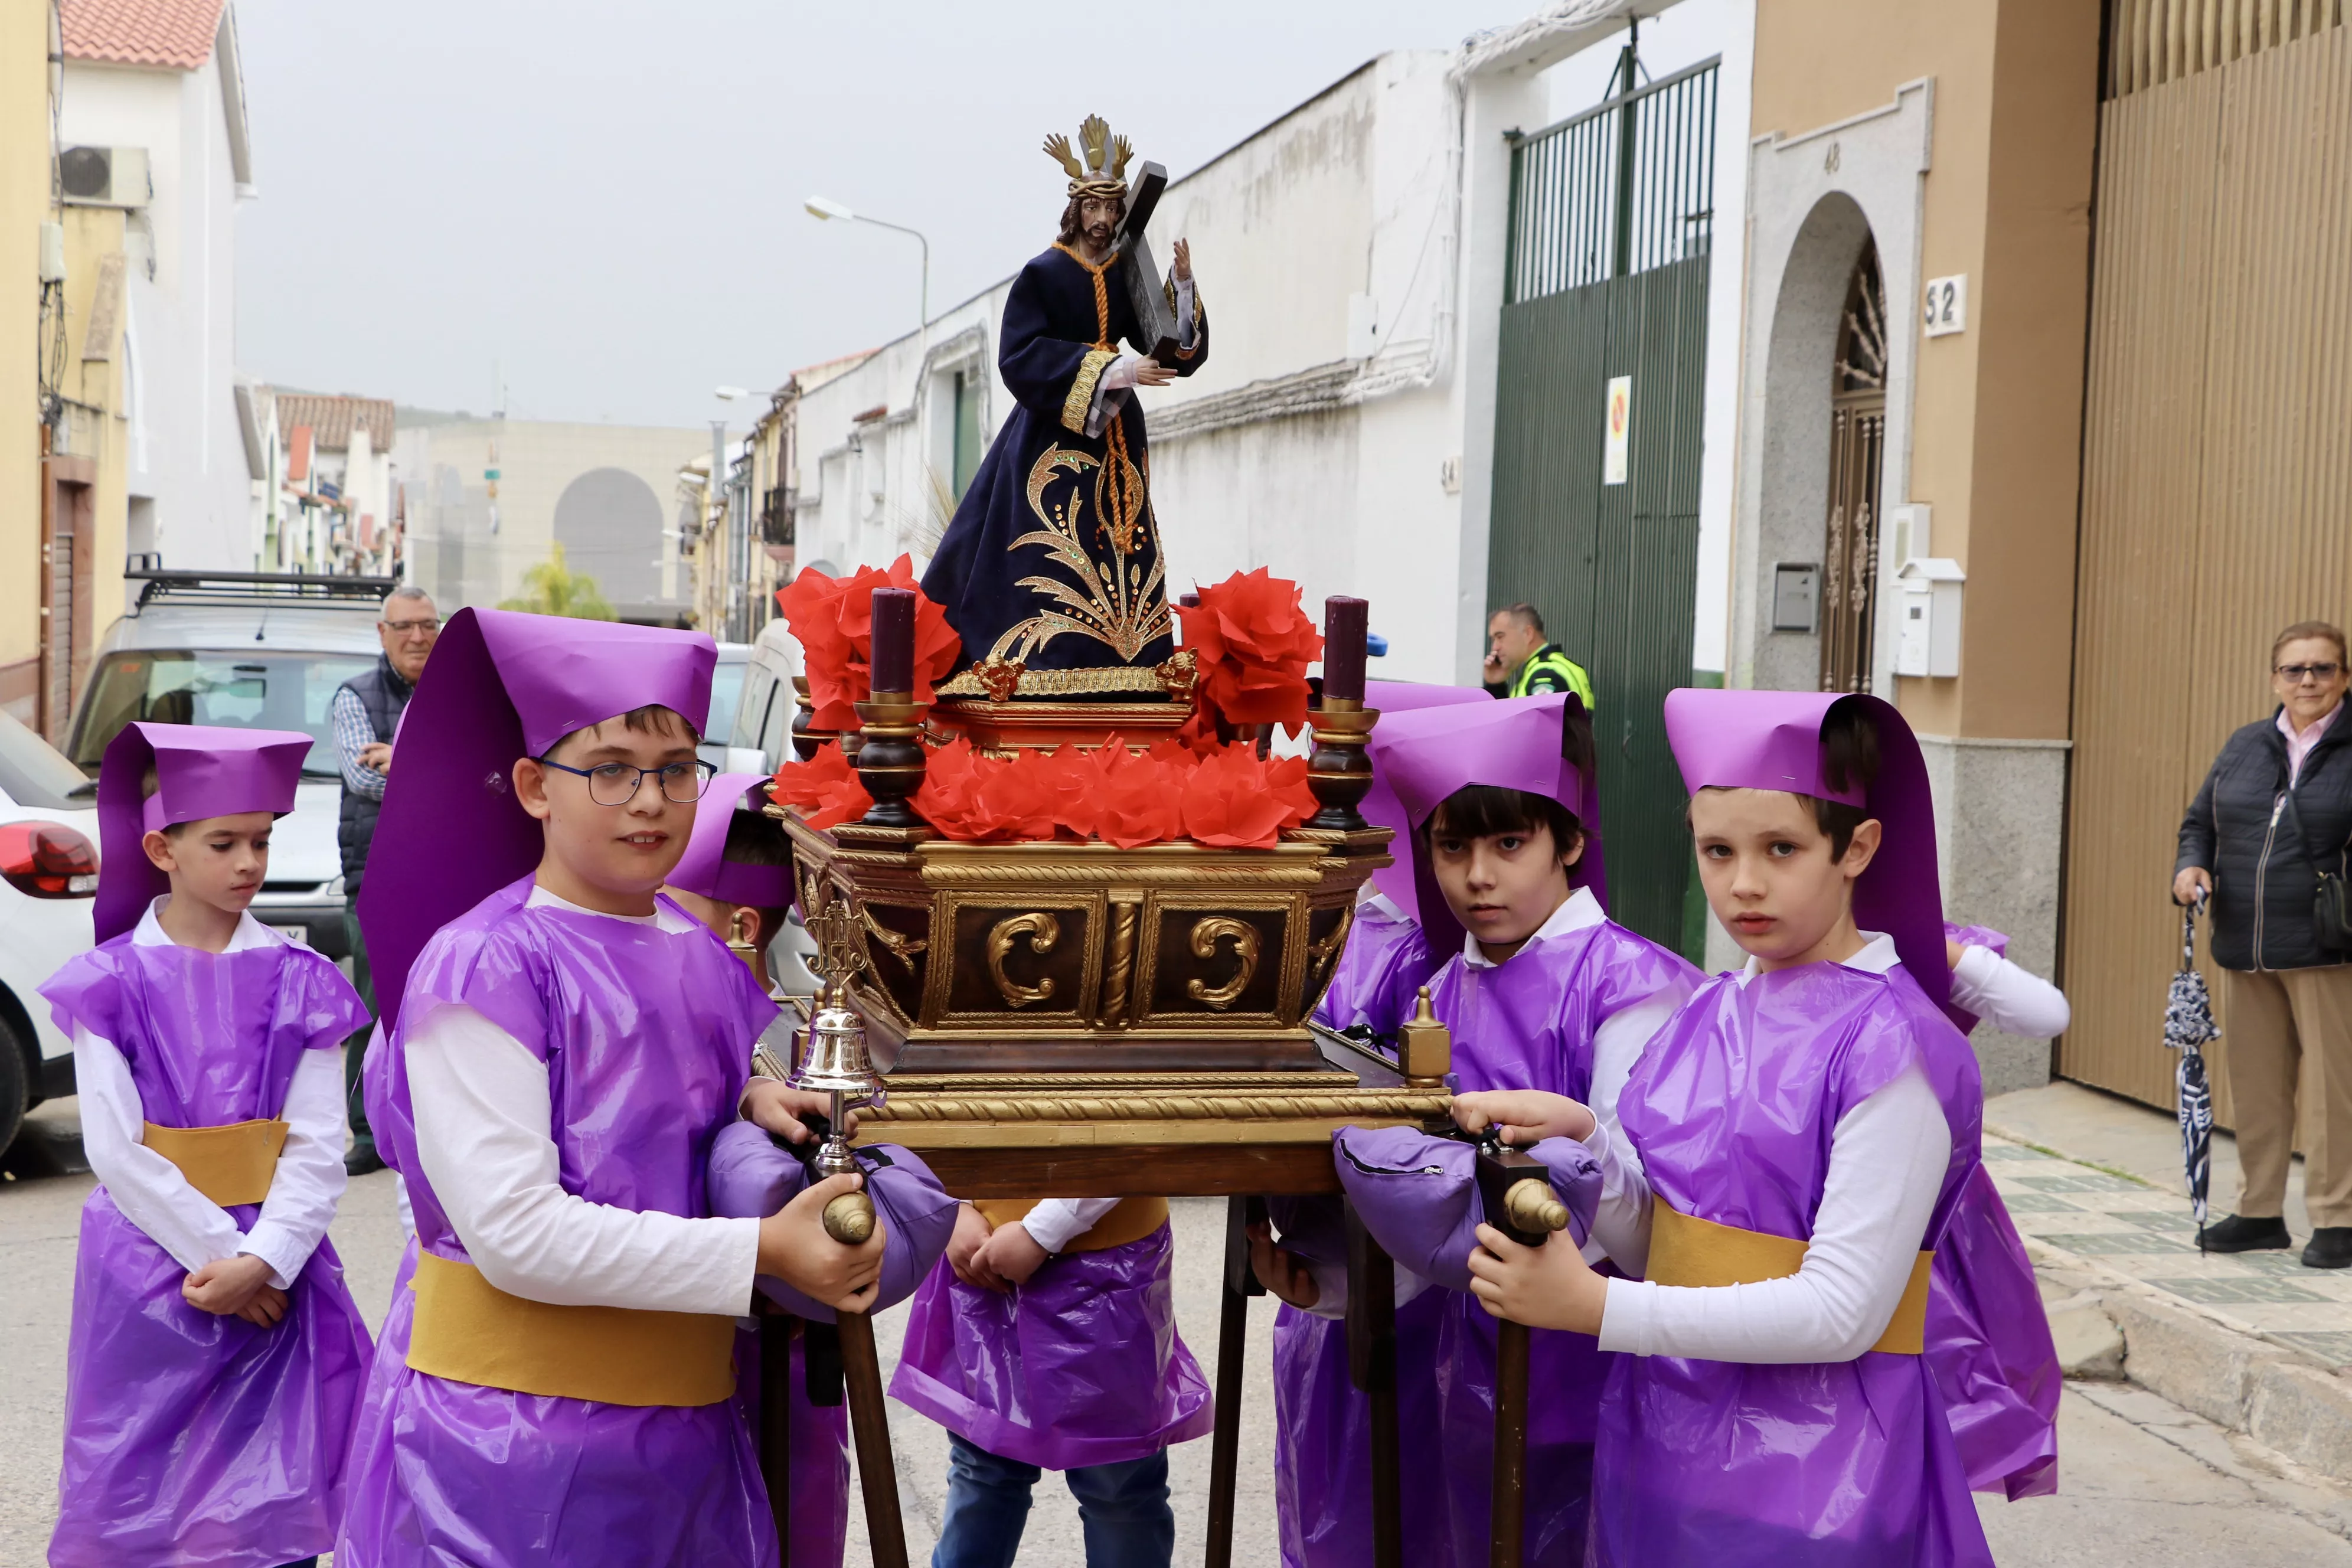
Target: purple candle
{"points": [[894, 641], [1344, 621], [1190, 601]]}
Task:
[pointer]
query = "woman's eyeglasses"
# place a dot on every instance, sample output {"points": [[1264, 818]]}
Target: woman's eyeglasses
{"points": [[2299, 673], [616, 784]]}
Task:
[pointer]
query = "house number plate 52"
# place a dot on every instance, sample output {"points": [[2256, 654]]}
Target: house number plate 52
{"points": [[1946, 306]]}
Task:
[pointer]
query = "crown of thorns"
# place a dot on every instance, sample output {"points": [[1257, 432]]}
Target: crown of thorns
{"points": [[1102, 172]]}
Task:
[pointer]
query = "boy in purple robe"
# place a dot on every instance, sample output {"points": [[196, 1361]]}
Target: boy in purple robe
{"points": [[216, 1358], [1539, 988], [1805, 1129], [566, 1046]]}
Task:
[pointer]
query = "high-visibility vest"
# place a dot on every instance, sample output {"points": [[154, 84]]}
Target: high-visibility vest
{"points": [[1548, 669]]}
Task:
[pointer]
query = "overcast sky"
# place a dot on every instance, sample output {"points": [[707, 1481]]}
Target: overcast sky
{"points": [[604, 196]]}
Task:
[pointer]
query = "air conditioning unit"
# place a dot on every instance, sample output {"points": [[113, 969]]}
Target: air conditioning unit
{"points": [[104, 177]]}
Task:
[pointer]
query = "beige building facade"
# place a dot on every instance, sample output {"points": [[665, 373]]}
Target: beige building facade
{"points": [[26, 87]]}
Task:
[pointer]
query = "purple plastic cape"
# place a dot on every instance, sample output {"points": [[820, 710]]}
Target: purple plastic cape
{"points": [[1418, 1195], [191, 1438], [1517, 742], [499, 687], [1720, 1463], [201, 770], [1771, 739], [1987, 1335], [705, 869], [1529, 1023], [750, 1178], [1380, 971], [1081, 1365], [820, 1456], [1381, 806], [647, 1036]]}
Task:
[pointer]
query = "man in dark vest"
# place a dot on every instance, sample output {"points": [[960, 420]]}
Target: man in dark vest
{"points": [[366, 711]]}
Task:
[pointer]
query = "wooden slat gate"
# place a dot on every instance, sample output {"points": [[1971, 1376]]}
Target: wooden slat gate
{"points": [[1611, 222], [2217, 484]]}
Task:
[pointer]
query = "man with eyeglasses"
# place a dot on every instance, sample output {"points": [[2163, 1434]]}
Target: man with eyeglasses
{"points": [[366, 712], [2266, 837]]}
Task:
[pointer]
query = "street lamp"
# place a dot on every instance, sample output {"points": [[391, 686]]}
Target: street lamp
{"points": [[823, 209]]}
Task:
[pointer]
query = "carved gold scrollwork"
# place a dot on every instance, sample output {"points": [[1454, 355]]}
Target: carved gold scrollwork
{"points": [[1325, 953], [899, 945], [1206, 933], [1042, 932]]}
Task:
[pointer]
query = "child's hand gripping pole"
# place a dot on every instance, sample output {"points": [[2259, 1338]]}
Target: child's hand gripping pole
{"points": [[1514, 1189]]}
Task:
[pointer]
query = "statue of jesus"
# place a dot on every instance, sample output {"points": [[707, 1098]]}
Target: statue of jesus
{"points": [[1051, 571]]}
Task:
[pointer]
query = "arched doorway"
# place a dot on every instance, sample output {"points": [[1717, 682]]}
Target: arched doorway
{"points": [[1857, 455], [609, 522]]}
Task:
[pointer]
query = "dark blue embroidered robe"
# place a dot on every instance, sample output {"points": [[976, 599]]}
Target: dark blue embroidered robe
{"points": [[1053, 559]]}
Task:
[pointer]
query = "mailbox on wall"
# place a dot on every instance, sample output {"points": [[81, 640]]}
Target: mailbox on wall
{"points": [[1928, 639]]}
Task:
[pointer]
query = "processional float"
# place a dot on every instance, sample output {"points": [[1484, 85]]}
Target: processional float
{"points": [[1080, 1020]]}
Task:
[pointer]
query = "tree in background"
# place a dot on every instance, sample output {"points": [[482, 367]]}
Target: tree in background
{"points": [[553, 589]]}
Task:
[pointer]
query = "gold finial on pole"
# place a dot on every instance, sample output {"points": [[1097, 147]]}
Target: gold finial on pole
{"points": [[1424, 1046]]}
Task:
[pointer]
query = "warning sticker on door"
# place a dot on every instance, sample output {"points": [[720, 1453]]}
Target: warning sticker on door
{"points": [[1621, 428]]}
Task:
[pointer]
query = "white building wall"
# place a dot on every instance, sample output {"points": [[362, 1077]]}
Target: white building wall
{"points": [[186, 455]]}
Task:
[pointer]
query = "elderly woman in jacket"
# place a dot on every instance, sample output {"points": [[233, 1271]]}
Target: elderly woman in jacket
{"points": [[2275, 813]]}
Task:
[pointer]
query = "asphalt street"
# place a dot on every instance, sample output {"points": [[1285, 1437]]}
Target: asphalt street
{"points": [[2143, 1481]]}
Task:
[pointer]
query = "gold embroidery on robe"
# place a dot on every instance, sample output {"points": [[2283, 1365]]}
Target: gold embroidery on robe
{"points": [[1110, 602]]}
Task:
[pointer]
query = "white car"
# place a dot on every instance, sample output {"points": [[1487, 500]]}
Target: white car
{"points": [[726, 692], [252, 650], [759, 740], [48, 877]]}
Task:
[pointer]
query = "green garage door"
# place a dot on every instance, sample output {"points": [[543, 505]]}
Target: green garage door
{"points": [[1595, 514]]}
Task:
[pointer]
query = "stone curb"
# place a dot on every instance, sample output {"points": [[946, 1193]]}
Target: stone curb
{"points": [[2199, 1359]]}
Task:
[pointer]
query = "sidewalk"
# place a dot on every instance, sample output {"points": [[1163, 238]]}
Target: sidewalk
{"points": [[2118, 1199]]}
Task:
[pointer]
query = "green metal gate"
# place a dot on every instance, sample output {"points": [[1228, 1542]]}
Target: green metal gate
{"points": [[1611, 217]]}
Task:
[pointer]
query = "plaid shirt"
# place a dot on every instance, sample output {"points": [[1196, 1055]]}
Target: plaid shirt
{"points": [[354, 734]]}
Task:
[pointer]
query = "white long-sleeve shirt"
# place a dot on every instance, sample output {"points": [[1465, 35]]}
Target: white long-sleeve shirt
{"points": [[155, 1196], [2013, 1000], [485, 1137], [1888, 1156]]}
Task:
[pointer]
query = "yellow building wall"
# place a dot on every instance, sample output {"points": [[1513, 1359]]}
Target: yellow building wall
{"points": [[23, 205], [1997, 409], [93, 389]]}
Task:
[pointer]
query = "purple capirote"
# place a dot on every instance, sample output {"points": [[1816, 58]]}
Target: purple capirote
{"points": [[751, 1178], [705, 869], [191, 1438], [500, 686], [646, 1035], [201, 770], [1725, 1464], [1771, 741], [1381, 808], [1079, 1365], [1425, 755], [1529, 1023]]}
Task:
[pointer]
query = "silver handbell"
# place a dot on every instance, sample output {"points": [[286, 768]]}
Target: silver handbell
{"points": [[834, 1063]]}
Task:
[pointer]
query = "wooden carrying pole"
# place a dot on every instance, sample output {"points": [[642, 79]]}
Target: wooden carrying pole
{"points": [[869, 1424], [776, 1423], [1233, 1347], [1515, 1190]]}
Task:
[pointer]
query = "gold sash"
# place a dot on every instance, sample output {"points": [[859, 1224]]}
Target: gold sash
{"points": [[230, 1164], [468, 1331], [1132, 1220], [1687, 1252]]}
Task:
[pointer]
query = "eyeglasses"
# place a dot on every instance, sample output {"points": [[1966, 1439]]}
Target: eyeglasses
{"points": [[427, 626], [2298, 673], [616, 784]]}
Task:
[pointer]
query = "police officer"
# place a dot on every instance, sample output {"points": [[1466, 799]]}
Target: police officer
{"points": [[1520, 663]]}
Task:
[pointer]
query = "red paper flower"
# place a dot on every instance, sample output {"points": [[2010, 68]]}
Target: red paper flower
{"points": [[1137, 798], [825, 790], [1253, 640], [833, 617], [1233, 799]]}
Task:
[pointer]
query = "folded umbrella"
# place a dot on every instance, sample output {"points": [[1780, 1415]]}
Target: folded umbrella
{"points": [[2188, 1026]]}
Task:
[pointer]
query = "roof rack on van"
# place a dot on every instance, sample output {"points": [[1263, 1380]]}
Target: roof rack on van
{"points": [[243, 588]]}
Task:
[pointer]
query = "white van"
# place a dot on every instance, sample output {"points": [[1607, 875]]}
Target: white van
{"points": [[251, 651], [759, 740]]}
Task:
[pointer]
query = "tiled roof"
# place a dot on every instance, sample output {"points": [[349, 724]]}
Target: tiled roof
{"points": [[331, 418], [173, 33]]}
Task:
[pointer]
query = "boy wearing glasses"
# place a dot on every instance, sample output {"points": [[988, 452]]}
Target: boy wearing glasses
{"points": [[564, 1045]]}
